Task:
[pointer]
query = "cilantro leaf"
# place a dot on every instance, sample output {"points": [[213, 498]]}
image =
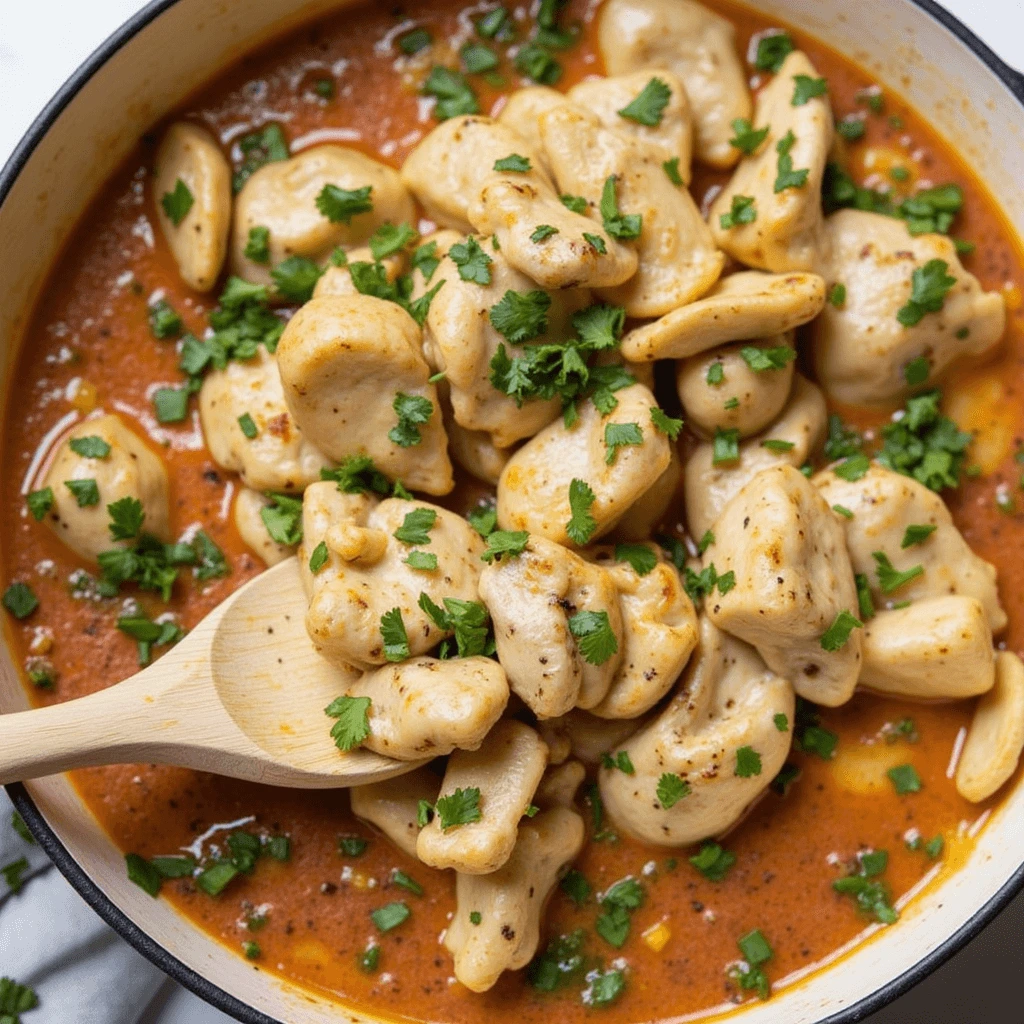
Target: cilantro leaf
{"points": [[259, 148], [746, 139], [20, 600], [853, 468], [671, 789], [358, 475], [671, 169], [177, 203], [599, 326], [283, 518], [761, 359], [521, 316], [477, 58], [649, 106], [595, 638], [39, 502], [257, 246], [505, 542], [618, 225], [905, 779], [453, 93], [748, 762], [412, 412], [459, 808], [412, 42], [513, 162], [389, 239], [917, 534], [416, 527], [665, 423], [318, 559], [353, 720], [390, 916], [596, 242], [619, 435], [581, 525], [889, 578], [836, 636], [537, 63], [296, 277], [924, 444], [340, 205], [929, 285], [426, 260], [171, 404], [641, 557], [726, 446], [807, 88], [473, 263], [85, 491], [126, 516], [423, 560], [392, 631], [787, 177], [483, 519], [772, 51], [712, 861], [575, 203], [743, 211]]}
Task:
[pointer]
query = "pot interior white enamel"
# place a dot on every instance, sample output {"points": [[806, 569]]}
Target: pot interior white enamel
{"points": [[88, 130]]}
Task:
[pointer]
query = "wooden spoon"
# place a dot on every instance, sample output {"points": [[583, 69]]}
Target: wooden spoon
{"points": [[242, 695]]}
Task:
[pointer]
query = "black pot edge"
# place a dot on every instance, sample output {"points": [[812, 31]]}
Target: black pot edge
{"points": [[104, 906]]}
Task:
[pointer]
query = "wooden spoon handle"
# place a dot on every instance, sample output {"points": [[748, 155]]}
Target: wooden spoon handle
{"points": [[111, 726]]}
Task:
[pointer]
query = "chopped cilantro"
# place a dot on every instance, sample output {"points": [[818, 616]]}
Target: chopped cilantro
{"points": [[164, 321], [743, 211], [521, 316], [514, 162], [318, 559], [712, 861], [459, 808], [248, 426], [423, 560], [620, 435], [177, 203], [761, 359], [473, 263], [889, 578], [126, 516], [477, 58], [392, 631], [807, 88], [746, 139], [787, 177], [283, 518], [594, 635], [929, 285], [389, 239], [838, 634], [391, 915], [618, 225], [543, 231], [505, 542], [537, 63], [85, 491], [575, 203], [353, 718], [581, 525], [412, 42], [257, 247], [671, 789], [726, 447], [772, 51], [671, 168], [665, 423], [641, 557], [748, 762], [905, 779], [576, 887], [648, 107], [426, 260], [917, 534], [296, 277], [416, 526], [412, 412], [258, 148], [39, 502]]}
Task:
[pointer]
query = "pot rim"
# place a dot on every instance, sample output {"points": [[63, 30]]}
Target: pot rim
{"points": [[127, 928]]}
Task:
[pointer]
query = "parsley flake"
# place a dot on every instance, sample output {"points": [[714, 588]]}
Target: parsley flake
{"points": [[581, 525], [836, 636], [743, 211], [514, 162], [746, 139], [595, 637], [671, 789], [671, 168], [618, 225], [772, 51], [416, 526], [748, 762], [389, 239], [889, 578], [641, 557], [929, 286], [712, 861], [787, 177], [807, 88], [648, 107], [459, 808], [177, 203], [619, 435]]}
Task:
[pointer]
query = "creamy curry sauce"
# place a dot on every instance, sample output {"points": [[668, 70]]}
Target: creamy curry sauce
{"points": [[88, 346]]}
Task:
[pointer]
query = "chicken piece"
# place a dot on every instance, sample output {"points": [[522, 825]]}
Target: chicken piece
{"points": [[544, 239], [671, 138], [678, 259], [510, 901], [192, 188], [747, 305], [476, 453], [337, 280], [559, 785], [282, 197], [129, 469], [708, 487], [533, 492], [425, 707], [996, 735], [506, 772], [393, 805], [646, 513], [698, 46], [787, 232], [793, 581], [659, 630], [367, 573], [253, 531], [721, 390], [279, 457], [448, 169], [536, 599], [588, 736], [461, 341], [861, 348], [356, 382], [687, 783], [940, 647], [884, 504], [522, 112]]}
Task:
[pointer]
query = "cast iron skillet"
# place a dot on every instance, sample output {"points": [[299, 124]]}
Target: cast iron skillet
{"points": [[127, 929]]}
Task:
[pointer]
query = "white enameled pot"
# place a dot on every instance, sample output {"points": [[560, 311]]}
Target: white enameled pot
{"points": [[911, 46]]}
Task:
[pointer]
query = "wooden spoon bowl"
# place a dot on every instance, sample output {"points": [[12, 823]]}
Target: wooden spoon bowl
{"points": [[242, 695]]}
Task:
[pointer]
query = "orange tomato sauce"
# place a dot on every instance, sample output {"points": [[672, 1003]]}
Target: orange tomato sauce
{"points": [[88, 346]]}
